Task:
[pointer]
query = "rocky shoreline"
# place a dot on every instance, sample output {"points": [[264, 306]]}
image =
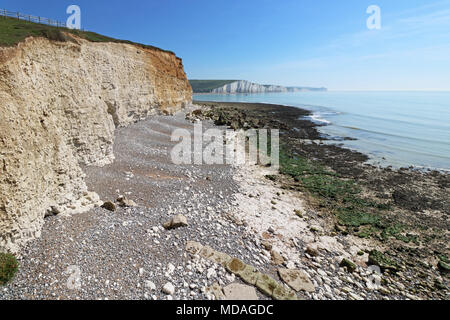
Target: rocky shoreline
{"points": [[403, 213], [235, 232]]}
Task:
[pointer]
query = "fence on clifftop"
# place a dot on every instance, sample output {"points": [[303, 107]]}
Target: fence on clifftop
{"points": [[30, 18]]}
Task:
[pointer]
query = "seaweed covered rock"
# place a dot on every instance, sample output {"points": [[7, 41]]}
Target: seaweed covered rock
{"points": [[377, 258]]}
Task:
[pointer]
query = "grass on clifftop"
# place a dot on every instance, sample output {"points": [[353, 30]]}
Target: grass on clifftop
{"points": [[8, 267], [14, 31]]}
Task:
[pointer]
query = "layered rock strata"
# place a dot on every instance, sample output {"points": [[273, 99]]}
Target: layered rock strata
{"points": [[60, 103]]}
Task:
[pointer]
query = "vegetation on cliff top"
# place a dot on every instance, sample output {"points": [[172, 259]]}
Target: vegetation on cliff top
{"points": [[205, 86], [8, 267], [14, 31]]}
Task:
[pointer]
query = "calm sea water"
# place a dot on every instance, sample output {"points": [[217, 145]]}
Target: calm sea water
{"points": [[393, 128]]}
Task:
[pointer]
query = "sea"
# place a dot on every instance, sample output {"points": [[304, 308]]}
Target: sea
{"points": [[398, 129]]}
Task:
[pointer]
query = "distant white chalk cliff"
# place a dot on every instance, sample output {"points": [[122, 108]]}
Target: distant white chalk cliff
{"points": [[243, 86]]}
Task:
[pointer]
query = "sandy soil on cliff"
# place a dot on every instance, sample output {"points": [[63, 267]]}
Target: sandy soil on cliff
{"points": [[127, 254]]}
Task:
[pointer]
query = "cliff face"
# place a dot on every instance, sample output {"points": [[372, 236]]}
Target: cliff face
{"points": [[243, 86], [60, 103], [247, 87]]}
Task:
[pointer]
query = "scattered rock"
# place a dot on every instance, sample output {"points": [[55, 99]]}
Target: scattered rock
{"points": [[193, 247], [247, 273], [176, 222], [351, 267], [445, 267], [126, 203], [267, 245], [298, 213], [266, 284], [217, 291], [108, 205], [354, 296], [297, 280], [277, 259], [235, 266], [52, 211], [168, 288], [170, 268], [290, 265], [340, 229], [316, 229], [55, 210], [150, 285], [281, 293], [312, 250], [379, 259], [236, 291], [211, 273]]}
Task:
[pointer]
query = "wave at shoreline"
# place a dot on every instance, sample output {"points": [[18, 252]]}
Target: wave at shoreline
{"points": [[389, 125]]}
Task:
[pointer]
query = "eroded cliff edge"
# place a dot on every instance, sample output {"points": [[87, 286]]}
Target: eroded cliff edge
{"points": [[60, 103]]}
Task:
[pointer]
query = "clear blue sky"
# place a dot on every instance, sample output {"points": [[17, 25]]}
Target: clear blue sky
{"points": [[287, 42]]}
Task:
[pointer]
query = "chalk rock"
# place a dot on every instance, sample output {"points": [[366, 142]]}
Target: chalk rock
{"points": [[236, 291], [312, 250], [277, 259], [150, 285], [168, 288], [193, 247], [61, 102], [176, 222], [127, 203], [217, 291], [296, 279]]}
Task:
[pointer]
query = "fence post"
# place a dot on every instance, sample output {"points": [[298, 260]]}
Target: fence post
{"points": [[30, 18]]}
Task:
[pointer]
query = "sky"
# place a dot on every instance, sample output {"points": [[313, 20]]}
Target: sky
{"points": [[286, 42]]}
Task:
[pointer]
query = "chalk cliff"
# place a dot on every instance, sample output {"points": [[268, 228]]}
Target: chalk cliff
{"points": [[60, 103], [243, 86]]}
